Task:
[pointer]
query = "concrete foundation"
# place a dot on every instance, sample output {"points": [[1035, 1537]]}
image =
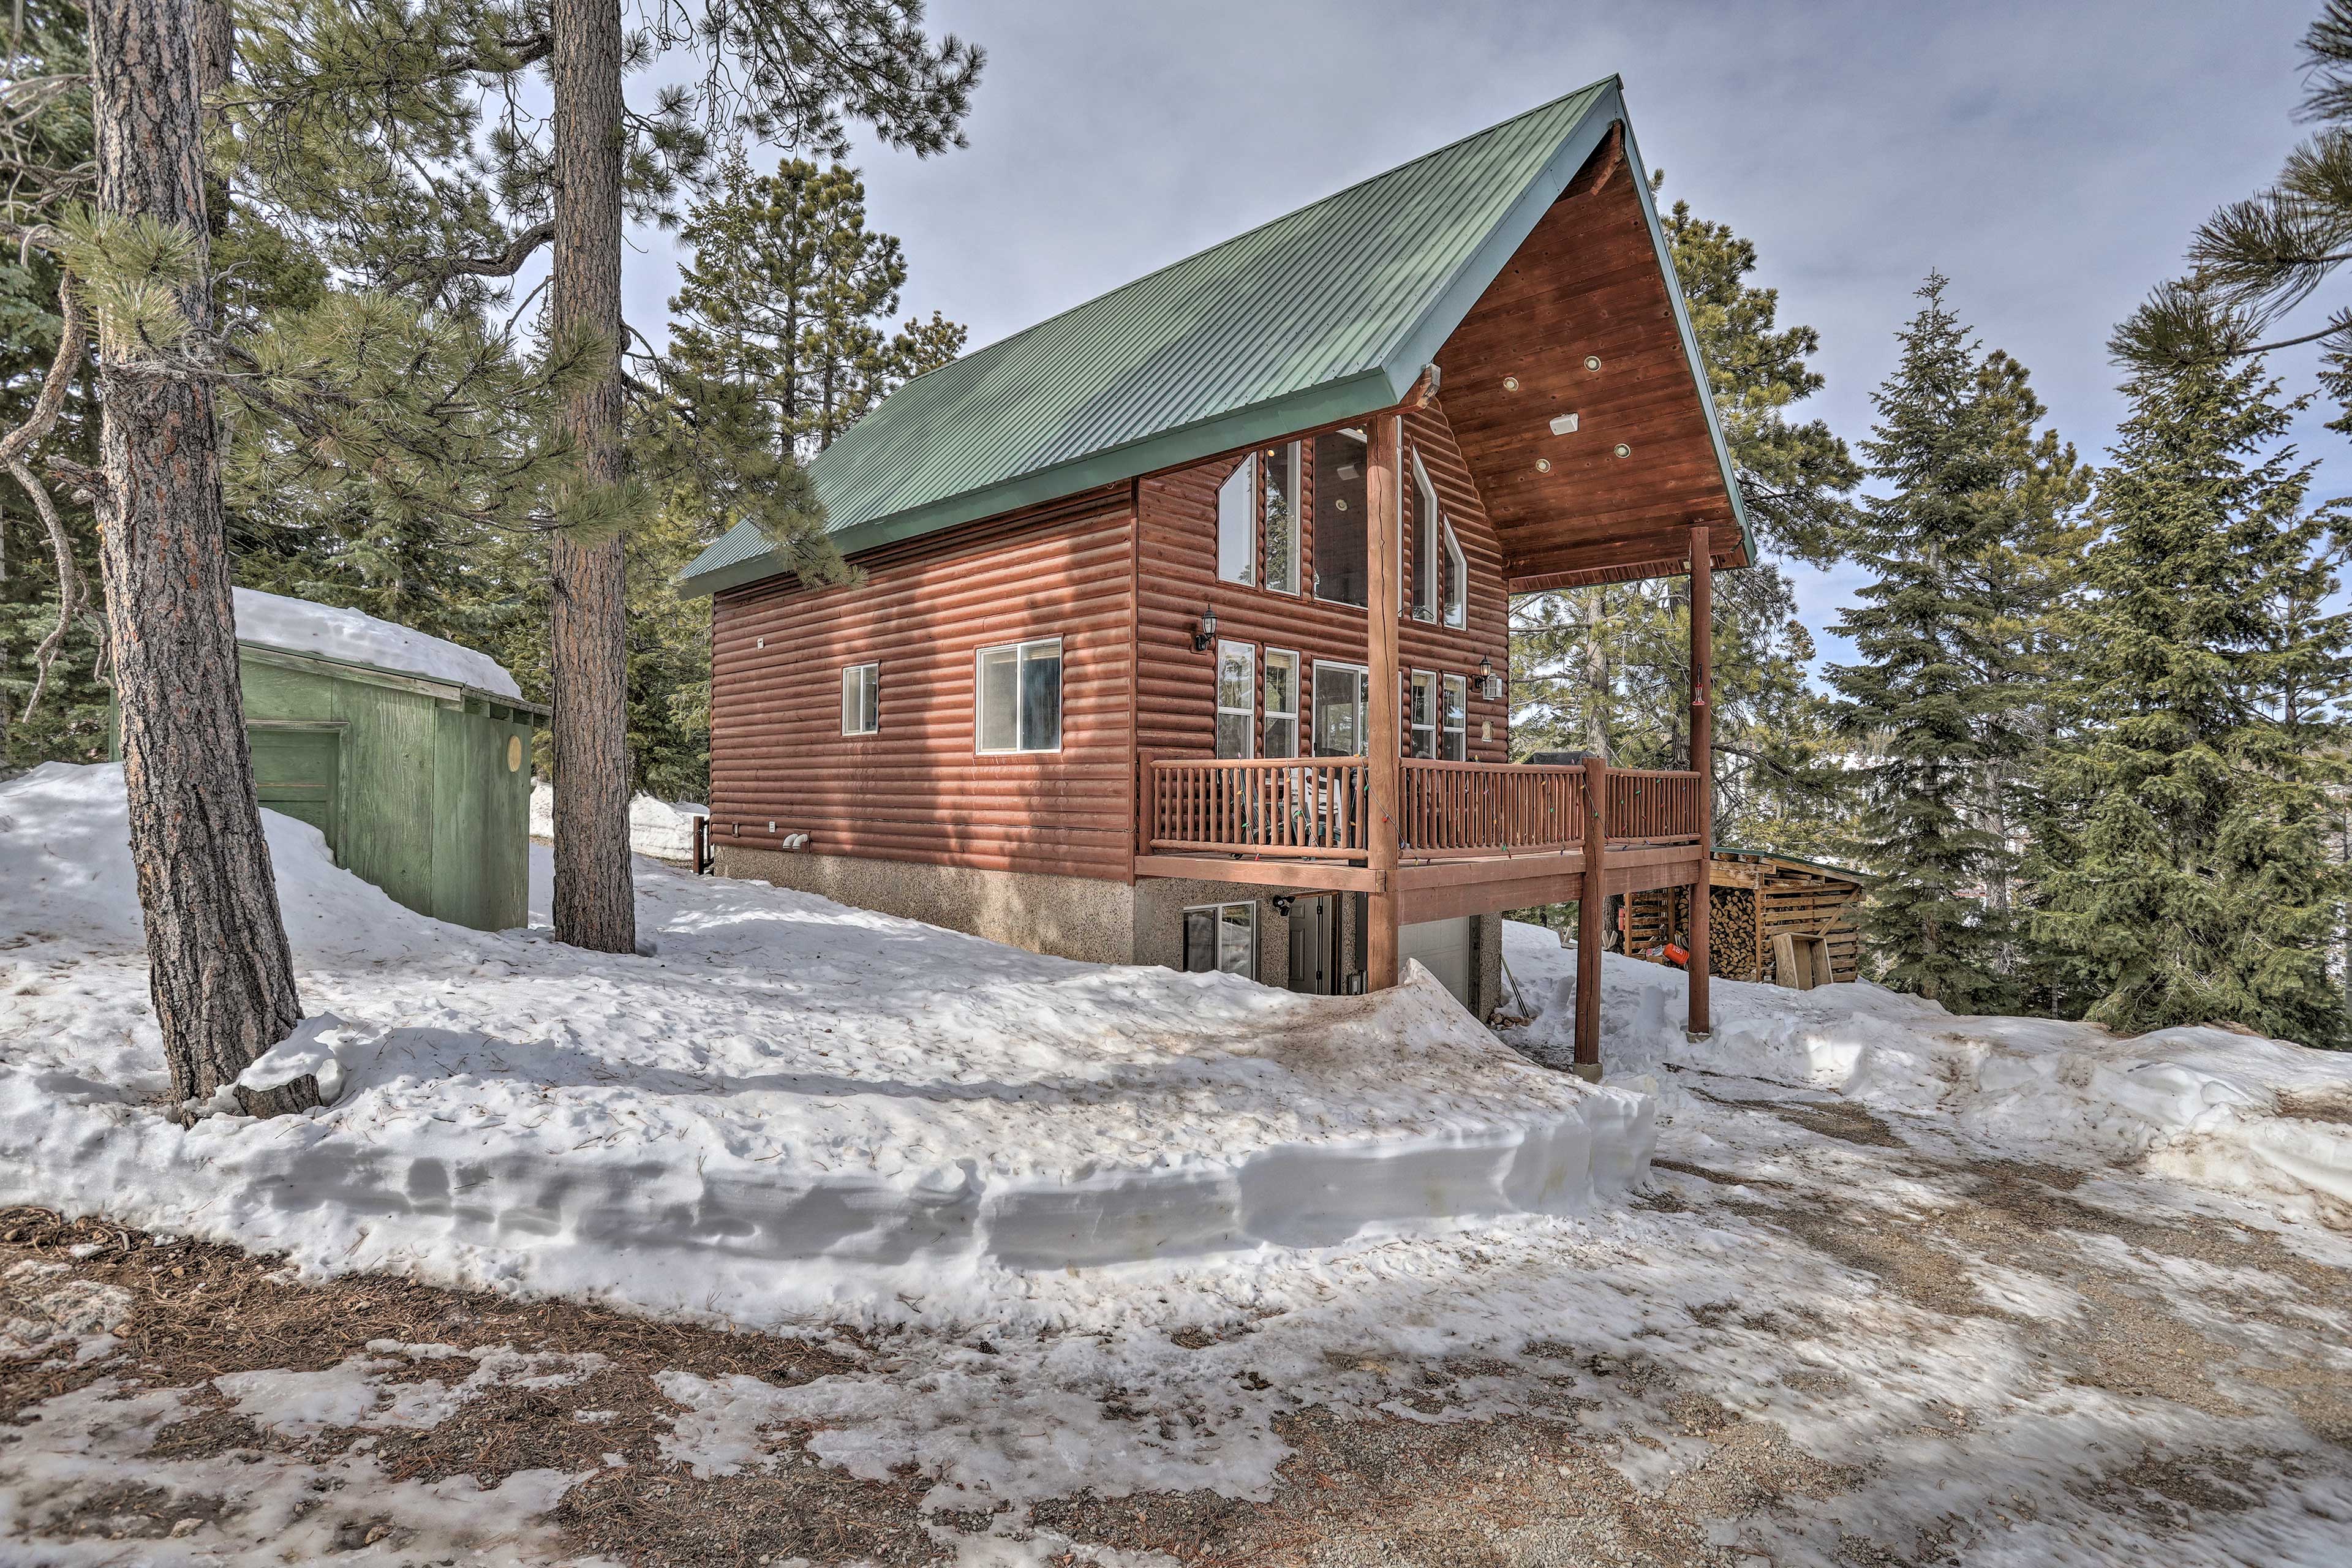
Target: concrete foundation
{"points": [[1084, 918]]}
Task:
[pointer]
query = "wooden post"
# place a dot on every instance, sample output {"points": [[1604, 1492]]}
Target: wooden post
{"points": [[1702, 762], [1384, 723], [1591, 901]]}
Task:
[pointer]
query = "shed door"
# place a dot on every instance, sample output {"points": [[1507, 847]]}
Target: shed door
{"points": [[295, 772], [1443, 949]]}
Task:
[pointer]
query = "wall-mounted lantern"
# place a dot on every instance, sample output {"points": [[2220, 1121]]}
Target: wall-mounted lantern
{"points": [[1206, 632]]}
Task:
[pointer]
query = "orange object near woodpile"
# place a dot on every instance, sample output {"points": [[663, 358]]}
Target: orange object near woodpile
{"points": [[1776, 919]]}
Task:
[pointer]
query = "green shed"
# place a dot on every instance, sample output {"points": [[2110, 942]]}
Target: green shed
{"points": [[410, 753]]}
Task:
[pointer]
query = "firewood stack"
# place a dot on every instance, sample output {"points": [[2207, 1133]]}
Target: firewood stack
{"points": [[1731, 933]]}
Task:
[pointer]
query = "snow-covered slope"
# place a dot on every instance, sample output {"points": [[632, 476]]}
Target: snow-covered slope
{"points": [[297, 625], [2212, 1107], [790, 1107]]}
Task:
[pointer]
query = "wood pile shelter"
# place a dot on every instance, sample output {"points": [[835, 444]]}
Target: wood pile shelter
{"points": [[1758, 900], [409, 753]]}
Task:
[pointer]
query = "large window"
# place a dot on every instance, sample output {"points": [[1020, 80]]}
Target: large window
{"points": [[1340, 570], [1222, 936], [1236, 697], [861, 699], [1421, 734], [1237, 524], [1281, 703], [1440, 575], [1341, 691], [1453, 736], [1018, 697], [1280, 466]]}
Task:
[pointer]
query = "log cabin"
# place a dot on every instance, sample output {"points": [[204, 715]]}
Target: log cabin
{"points": [[1181, 634]]}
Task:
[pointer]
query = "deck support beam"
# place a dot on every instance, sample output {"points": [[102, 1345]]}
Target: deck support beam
{"points": [[1589, 902], [1384, 723], [1702, 763]]}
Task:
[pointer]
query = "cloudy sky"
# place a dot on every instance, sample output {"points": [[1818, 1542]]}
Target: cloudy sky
{"points": [[2051, 157]]}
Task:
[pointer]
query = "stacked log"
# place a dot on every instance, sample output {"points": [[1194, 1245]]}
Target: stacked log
{"points": [[1731, 936]]}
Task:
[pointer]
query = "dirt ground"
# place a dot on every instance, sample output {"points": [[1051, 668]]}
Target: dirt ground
{"points": [[2248, 1322]]}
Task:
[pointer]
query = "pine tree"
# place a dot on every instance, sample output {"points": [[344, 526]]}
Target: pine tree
{"points": [[786, 296], [1971, 544], [781, 70], [2188, 873]]}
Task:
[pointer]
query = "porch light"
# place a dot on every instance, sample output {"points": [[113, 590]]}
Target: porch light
{"points": [[1494, 682], [1206, 632]]}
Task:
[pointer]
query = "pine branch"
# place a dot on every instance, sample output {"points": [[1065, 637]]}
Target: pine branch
{"points": [[437, 270]]}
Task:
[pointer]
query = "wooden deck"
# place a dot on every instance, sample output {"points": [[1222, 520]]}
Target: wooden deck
{"points": [[1473, 837]]}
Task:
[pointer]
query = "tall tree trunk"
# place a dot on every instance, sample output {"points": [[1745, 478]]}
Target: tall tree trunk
{"points": [[594, 904], [219, 970]]}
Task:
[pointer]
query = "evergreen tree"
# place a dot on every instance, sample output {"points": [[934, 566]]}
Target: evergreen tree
{"points": [[786, 296], [1971, 544], [2186, 871], [782, 69]]}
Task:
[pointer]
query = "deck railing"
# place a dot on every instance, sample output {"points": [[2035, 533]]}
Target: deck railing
{"points": [[1650, 805], [1296, 808], [1314, 808], [1450, 810]]}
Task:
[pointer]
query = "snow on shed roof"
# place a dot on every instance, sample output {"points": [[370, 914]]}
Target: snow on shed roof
{"points": [[297, 625]]}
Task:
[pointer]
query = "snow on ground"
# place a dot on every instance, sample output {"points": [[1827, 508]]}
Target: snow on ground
{"points": [[789, 1107], [661, 829], [1899, 1287], [2216, 1107], [297, 625]]}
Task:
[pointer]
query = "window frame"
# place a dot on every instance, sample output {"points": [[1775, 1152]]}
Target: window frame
{"points": [[1290, 456], [1245, 474], [1019, 650], [1456, 609], [1216, 913], [1427, 520], [1266, 712], [1416, 682], [1248, 714], [1453, 739], [1363, 674], [1361, 438], [872, 670]]}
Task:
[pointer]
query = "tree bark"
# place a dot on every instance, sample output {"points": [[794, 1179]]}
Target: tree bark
{"points": [[595, 902], [219, 970]]}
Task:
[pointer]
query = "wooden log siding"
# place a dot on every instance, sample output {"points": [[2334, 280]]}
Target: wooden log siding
{"points": [[1176, 702], [918, 790]]}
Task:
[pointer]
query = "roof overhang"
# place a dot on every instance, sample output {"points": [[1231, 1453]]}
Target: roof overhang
{"points": [[1600, 133]]}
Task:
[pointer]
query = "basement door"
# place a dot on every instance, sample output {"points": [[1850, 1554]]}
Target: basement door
{"points": [[300, 772], [1443, 949]]}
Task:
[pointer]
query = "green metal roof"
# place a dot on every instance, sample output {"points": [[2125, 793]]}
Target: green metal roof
{"points": [[1325, 314]]}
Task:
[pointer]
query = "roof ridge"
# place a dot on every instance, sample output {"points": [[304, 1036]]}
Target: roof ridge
{"points": [[1328, 196]]}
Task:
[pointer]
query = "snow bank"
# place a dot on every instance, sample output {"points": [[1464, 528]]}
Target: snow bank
{"points": [[297, 625], [795, 1109], [661, 829], [2216, 1107]]}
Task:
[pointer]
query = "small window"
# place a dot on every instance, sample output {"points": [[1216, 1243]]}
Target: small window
{"points": [[1425, 549], [1453, 739], [1237, 524], [1222, 936], [1281, 703], [1457, 578], [1018, 697], [1236, 697], [861, 699], [1280, 469], [1421, 736]]}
